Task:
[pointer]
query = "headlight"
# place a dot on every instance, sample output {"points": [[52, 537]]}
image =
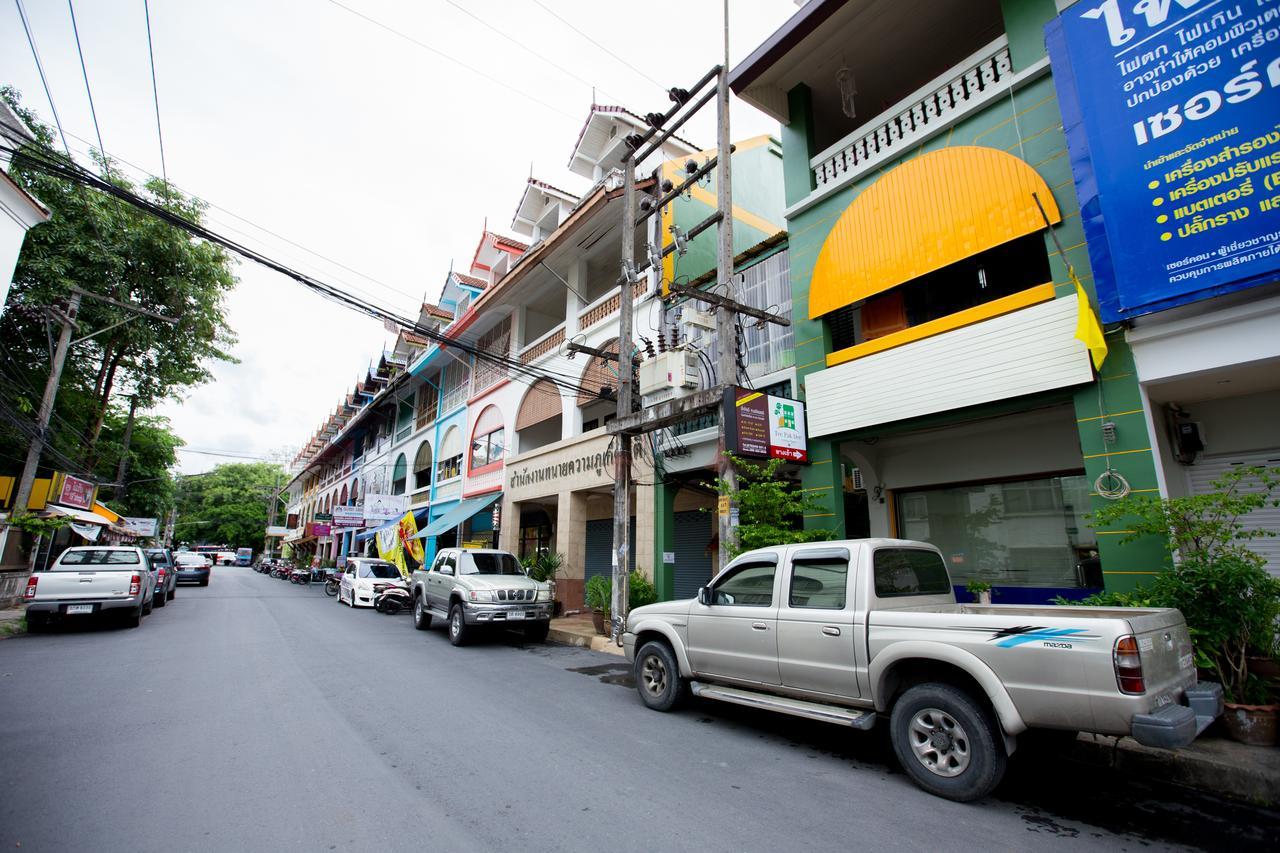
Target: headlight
{"points": [[544, 595], [481, 595]]}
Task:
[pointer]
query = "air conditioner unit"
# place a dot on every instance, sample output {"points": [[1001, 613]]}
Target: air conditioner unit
{"points": [[662, 375]]}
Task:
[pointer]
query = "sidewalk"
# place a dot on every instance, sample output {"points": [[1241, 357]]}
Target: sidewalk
{"points": [[578, 631], [11, 621], [1214, 764]]}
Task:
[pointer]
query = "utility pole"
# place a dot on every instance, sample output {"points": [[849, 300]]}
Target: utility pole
{"points": [[726, 368], [622, 454], [123, 468], [36, 448]]}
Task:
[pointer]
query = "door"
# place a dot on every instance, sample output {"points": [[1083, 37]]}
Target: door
{"points": [[736, 635], [693, 535], [347, 585], [815, 625], [1201, 476], [440, 581]]}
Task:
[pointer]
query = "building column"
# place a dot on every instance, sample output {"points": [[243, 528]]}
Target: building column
{"points": [[571, 543], [647, 554], [821, 481], [664, 540], [509, 529]]}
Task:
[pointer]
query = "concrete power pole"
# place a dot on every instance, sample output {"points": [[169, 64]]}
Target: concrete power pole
{"points": [[123, 469], [727, 363], [622, 454], [36, 448]]}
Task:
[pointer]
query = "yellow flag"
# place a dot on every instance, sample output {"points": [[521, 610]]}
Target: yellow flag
{"points": [[1088, 329]]}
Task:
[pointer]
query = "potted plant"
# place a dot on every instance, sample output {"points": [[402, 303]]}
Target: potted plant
{"points": [[600, 600], [1230, 602], [980, 590], [544, 566]]}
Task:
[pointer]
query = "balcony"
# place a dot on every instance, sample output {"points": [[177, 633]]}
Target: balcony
{"points": [[605, 307], [938, 105], [548, 343]]}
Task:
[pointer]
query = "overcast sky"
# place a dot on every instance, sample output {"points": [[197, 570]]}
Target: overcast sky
{"points": [[379, 154]]}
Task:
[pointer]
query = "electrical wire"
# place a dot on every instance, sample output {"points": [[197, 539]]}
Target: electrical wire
{"points": [[155, 92], [454, 60], [571, 26], [35, 54], [89, 91]]}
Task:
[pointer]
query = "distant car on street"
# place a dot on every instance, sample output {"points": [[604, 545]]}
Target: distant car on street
{"points": [[87, 581], [244, 556], [166, 574], [193, 567], [225, 558]]}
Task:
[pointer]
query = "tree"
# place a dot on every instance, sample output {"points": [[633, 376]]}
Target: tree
{"points": [[228, 505], [105, 246], [770, 508], [153, 453]]}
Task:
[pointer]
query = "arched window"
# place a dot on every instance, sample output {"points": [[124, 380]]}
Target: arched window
{"points": [[450, 455], [343, 500], [488, 439], [422, 467], [399, 475], [600, 378], [355, 492], [538, 420]]}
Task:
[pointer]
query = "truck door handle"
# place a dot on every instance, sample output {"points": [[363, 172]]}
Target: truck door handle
{"points": [[759, 626], [831, 630]]}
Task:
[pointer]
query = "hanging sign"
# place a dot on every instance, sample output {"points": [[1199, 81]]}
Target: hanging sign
{"points": [[384, 507], [1170, 112], [764, 426], [143, 527], [348, 516], [72, 491]]}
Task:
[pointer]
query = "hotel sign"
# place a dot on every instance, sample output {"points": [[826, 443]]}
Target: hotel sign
{"points": [[764, 426]]}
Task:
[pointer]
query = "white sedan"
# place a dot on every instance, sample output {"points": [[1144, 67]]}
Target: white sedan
{"points": [[361, 577]]}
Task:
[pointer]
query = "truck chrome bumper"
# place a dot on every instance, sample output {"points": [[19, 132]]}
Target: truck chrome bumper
{"points": [[1175, 726], [483, 614]]}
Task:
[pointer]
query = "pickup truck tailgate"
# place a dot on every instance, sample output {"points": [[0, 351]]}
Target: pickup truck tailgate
{"points": [[1164, 644], [84, 584]]}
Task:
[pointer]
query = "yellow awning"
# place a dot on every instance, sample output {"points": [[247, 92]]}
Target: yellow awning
{"points": [[106, 512], [926, 214]]}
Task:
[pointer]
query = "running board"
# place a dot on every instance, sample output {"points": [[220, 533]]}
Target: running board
{"points": [[841, 716]]}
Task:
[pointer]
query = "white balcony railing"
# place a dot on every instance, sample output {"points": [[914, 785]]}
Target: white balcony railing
{"points": [[929, 109]]}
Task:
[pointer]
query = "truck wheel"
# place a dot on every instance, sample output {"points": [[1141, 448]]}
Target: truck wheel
{"points": [[537, 633], [421, 618], [133, 618], [459, 633], [159, 602], [948, 742], [657, 676], [149, 606]]}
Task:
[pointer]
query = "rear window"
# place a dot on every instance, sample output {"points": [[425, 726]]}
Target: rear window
{"points": [[383, 571], [96, 557], [910, 571], [158, 557], [191, 560]]}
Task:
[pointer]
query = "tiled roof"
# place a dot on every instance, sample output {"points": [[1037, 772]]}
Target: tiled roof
{"points": [[613, 108], [437, 311], [516, 244], [469, 281], [546, 186]]}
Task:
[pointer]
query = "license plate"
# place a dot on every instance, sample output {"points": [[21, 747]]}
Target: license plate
{"points": [[515, 614], [79, 608]]}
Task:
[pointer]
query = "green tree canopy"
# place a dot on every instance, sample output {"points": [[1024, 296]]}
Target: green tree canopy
{"points": [[228, 505], [770, 507]]}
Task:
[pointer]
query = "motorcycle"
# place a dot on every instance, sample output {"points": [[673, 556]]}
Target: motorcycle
{"points": [[331, 584], [391, 599], [300, 576]]}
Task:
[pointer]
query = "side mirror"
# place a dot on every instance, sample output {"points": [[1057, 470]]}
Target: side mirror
{"points": [[704, 596]]}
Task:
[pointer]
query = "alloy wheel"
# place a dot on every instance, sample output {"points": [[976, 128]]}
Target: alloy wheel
{"points": [[653, 675], [939, 742]]}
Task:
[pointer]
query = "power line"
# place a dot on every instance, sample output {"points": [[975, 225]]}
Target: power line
{"points": [[454, 60], [570, 25], [527, 49], [155, 92], [84, 70], [35, 54]]}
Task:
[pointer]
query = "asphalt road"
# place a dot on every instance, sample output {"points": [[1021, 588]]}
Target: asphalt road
{"points": [[254, 715]]}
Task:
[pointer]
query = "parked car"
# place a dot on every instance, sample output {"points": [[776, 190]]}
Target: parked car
{"points": [[362, 577], [166, 574], [478, 587], [193, 567], [87, 581], [225, 558], [244, 556], [848, 631]]}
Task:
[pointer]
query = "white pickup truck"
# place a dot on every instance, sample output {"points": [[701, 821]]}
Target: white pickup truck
{"points": [[845, 632], [91, 581]]}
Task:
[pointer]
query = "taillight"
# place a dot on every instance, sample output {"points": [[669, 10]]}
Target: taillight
{"points": [[1129, 666], [135, 584], [160, 575], [31, 586]]}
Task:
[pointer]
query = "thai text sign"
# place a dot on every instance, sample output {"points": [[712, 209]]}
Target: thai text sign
{"points": [[1172, 115], [764, 426], [74, 492], [348, 516], [143, 526], [384, 507]]}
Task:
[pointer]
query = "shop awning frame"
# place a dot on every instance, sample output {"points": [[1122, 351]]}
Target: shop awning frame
{"points": [[457, 515]]}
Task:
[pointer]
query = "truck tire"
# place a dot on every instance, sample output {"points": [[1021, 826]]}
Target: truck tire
{"points": [[537, 632], [133, 618], [948, 742], [421, 618], [459, 633], [159, 602], [657, 676]]}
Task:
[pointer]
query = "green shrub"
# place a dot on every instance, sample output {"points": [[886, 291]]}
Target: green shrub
{"points": [[639, 591], [600, 593]]}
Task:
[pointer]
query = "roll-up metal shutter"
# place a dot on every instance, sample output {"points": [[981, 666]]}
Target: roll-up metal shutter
{"points": [[1201, 476], [600, 548], [693, 562]]}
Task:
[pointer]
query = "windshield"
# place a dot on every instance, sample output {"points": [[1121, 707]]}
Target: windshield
{"points": [[96, 557], [490, 564], [384, 571]]}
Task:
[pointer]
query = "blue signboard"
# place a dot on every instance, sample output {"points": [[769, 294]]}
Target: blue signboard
{"points": [[1172, 114]]}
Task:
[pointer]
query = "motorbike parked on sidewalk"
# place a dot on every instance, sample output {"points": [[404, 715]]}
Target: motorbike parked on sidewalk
{"points": [[332, 583], [300, 576]]}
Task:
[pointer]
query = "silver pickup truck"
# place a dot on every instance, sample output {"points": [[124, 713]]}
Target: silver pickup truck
{"points": [[477, 587], [92, 581], [845, 632]]}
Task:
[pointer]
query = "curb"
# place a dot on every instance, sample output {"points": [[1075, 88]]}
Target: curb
{"points": [[1219, 767], [596, 644]]}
